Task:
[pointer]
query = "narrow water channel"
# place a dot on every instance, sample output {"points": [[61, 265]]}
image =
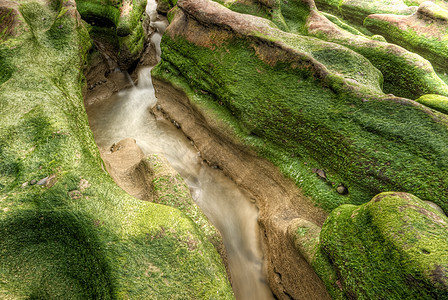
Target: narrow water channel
{"points": [[127, 115]]}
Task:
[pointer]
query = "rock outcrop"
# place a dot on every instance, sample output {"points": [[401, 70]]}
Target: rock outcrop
{"points": [[423, 32], [393, 247], [334, 117], [277, 198], [67, 231], [116, 27], [313, 95]]}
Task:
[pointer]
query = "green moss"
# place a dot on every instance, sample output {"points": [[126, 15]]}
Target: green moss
{"points": [[436, 102], [117, 28], [432, 48], [103, 13], [405, 74], [133, 43], [341, 24], [79, 236], [360, 141], [294, 13], [6, 68], [250, 7], [323, 266], [172, 13], [38, 247], [170, 189], [331, 6], [393, 247], [357, 10], [129, 21]]}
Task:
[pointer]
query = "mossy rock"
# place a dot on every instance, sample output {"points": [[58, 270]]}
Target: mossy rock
{"points": [[304, 104], [117, 25], [170, 189], [393, 247], [103, 13], [436, 102], [357, 10], [423, 32], [305, 237], [68, 232], [164, 6], [405, 73]]}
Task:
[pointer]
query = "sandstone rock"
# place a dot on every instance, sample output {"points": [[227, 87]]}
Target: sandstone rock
{"points": [[127, 165], [10, 17], [305, 236]]}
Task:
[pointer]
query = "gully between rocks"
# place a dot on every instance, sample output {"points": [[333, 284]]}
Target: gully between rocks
{"points": [[245, 198]]}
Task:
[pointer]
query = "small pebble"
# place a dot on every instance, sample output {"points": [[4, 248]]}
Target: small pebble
{"points": [[33, 182], [320, 173], [43, 181], [60, 26], [24, 185], [159, 108], [341, 189]]}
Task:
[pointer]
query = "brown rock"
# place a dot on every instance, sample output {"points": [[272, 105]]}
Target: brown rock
{"points": [[10, 18], [126, 164]]}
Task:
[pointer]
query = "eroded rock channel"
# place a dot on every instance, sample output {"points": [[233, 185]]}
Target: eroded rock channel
{"points": [[243, 196]]}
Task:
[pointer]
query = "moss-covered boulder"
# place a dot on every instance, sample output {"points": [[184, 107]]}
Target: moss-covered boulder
{"points": [[163, 6], [423, 32], [67, 231], [393, 247]]}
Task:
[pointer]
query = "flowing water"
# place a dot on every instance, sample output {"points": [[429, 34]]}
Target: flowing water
{"points": [[126, 115]]}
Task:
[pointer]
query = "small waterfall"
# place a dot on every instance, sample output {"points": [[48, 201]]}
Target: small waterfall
{"points": [[126, 115]]}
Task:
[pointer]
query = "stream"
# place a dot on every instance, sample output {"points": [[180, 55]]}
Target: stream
{"points": [[127, 115]]}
